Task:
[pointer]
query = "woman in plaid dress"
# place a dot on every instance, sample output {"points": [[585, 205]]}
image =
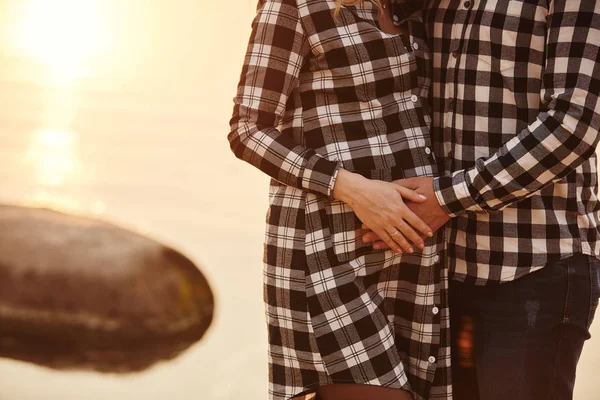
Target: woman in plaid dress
{"points": [[332, 104]]}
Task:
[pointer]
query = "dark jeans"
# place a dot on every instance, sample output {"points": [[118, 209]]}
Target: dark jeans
{"points": [[527, 335]]}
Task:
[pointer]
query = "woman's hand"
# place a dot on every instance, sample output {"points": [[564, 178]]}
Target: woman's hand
{"points": [[430, 210], [379, 206]]}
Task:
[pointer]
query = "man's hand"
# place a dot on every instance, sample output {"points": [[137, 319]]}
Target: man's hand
{"points": [[429, 211], [382, 206]]}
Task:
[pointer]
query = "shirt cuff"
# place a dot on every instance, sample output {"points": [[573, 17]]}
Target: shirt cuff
{"points": [[319, 175], [453, 194]]}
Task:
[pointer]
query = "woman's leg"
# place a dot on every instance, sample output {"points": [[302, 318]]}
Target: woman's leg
{"points": [[361, 392]]}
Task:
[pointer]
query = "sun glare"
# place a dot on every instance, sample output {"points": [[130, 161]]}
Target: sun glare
{"points": [[66, 36], [52, 154]]}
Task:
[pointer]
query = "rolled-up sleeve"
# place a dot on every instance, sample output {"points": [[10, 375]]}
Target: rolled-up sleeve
{"points": [[276, 54], [562, 137]]}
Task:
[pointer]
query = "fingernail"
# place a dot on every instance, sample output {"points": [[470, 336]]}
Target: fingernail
{"points": [[422, 246], [430, 234], [423, 197], [411, 250]]}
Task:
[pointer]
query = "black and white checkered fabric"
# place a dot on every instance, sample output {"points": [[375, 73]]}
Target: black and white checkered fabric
{"points": [[317, 93], [516, 119]]}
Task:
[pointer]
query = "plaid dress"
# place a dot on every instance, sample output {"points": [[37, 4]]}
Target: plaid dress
{"points": [[318, 93]]}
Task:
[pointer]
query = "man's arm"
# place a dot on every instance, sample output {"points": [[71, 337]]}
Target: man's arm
{"points": [[562, 137]]}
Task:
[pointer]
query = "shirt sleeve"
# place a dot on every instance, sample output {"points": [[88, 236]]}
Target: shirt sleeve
{"points": [[276, 53], [562, 137]]}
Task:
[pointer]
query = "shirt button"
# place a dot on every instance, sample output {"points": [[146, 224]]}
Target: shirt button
{"points": [[455, 54], [416, 46], [414, 98], [427, 150], [467, 4], [436, 259], [435, 310], [431, 360]]}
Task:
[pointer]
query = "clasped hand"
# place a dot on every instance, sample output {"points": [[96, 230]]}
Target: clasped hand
{"points": [[428, 210]]}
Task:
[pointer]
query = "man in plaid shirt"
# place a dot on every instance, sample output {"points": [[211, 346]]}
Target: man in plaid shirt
{"points": [[516, 119]]}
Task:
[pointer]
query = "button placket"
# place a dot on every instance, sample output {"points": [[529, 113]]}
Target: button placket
{"points": [[448, 114]]}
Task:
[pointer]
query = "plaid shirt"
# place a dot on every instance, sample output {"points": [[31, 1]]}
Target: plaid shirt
{"points": [[516, 119], [316, 93]]}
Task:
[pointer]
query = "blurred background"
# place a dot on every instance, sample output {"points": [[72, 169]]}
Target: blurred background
{"points": [[120, 109]]}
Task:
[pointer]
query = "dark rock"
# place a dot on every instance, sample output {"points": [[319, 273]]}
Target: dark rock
{"points": [[81, 293]]}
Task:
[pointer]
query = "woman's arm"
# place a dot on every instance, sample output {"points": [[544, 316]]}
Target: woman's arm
{"points": [[276, 53]]}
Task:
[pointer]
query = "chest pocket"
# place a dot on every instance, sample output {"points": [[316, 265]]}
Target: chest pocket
{"points": [[511, 34]]}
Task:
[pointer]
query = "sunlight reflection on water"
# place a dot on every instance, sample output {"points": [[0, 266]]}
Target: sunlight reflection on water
{"points": [[53, 156], [135, 131]]}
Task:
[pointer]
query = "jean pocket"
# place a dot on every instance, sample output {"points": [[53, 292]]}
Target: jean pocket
{"points": [[594, 264]]}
